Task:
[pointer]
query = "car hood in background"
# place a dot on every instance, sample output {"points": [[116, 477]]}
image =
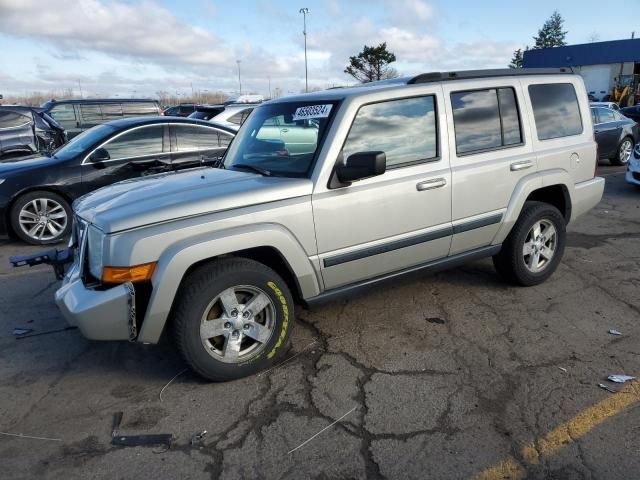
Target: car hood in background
{"points": [[171, 196], [18, 164]]}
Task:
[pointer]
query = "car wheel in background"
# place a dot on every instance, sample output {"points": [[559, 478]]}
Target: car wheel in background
{"points": [[232, 318], [533, 249], [625, 149], [41, 217]]}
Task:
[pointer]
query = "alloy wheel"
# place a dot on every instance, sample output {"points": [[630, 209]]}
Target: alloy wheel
{"points": [[624, 154], [43, 219], [539, 246]]}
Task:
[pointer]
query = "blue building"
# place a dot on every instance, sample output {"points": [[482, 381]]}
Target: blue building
{"points": [[601, 64]]}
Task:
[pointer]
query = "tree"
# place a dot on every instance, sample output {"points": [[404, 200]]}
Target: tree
{"points": [[372, 63], [516, 60], [551, 33]]}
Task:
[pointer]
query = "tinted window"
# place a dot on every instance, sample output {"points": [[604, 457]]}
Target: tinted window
{"points": [[605, 115], [111, 111], [64, 115], [240, 117], [91, 114], [193, 137], [556, 111], [511, 133], [405, 130], [135, 143], [138, 109], [225, 139], [11, 119]]}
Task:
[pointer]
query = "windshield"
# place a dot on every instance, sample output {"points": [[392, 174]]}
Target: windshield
{"points": [[84, 141], [281, 139]]}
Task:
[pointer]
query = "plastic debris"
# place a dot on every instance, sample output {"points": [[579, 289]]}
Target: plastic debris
{"points": [[437, 320], [137, 440], [608, 389], [18, 332], [563, 369], [615, 332], [620, 378], [198, 437]]}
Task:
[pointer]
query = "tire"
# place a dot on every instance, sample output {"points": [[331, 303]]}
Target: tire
{"points": [[199, 312], [624, 152], [519, 268], [41, 217]]}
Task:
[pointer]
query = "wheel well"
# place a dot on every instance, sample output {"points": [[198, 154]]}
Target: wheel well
{"points": [[556, 195], [25, 192]]}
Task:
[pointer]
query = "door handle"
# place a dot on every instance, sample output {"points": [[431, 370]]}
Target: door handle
{"points": [[284, 130], [431, 184], [521, 165]]}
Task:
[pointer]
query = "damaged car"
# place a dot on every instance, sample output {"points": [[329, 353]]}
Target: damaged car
{"points": [[28, 130]]}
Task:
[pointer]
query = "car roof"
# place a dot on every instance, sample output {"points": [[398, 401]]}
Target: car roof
{"points": [[89, 101], [125, 123]]}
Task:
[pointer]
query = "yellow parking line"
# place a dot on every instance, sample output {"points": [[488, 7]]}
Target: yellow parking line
{"points": [[563, 434]]}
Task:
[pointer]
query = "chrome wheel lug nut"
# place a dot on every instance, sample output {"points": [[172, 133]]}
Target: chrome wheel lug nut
{"points": [[234, 313], [246, 315], [227, 325], [246, 326]]}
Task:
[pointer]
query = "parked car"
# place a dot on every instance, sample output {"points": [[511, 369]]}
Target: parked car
{"points": [[230, 115], [616, 135], [36, 193], [632, 112], [182, 110], [28, 130], [611, 105], [76, 116], [633, 167], [410, 176]]}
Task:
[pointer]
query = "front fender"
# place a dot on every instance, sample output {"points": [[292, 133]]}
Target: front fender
{"points": [[175, 261]]}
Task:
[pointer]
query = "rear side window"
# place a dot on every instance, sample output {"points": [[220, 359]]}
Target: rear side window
{"points": [[111, 111], [91, 114], [485, 120], [193, 137], [556, 111], [405, 130], [605, 115], [135, 109], [11, 119], [64, 115]]}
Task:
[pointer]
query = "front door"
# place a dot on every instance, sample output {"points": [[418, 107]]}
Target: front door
{"points": [[396, 220], [607, 132], [137, 152]]}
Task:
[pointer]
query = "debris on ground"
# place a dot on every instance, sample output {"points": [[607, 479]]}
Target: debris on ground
{"points": [[325, 428], [37, 334], [170, 382], [615, 332], [563, 369], [20, 435], [18, 332], [198, 437], [608, 389], [620, 378], [438, 320], [137, 440]]}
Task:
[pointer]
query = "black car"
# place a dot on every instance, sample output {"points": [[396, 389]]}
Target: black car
{"points": [[182, 110], [79, 115], [632, 112], [615, 134], [36, 193], [28, 130], [207, 112]]}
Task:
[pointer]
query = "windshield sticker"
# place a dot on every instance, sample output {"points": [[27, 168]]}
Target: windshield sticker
{"points": [[312, 111]]}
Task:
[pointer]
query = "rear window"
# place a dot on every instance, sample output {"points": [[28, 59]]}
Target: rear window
{"points": [[485, 120], [556, 110]]}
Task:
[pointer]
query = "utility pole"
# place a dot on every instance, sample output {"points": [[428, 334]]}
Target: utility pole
{"points": [[80, 87], [269, 77], [304, 12], [239, 80]]}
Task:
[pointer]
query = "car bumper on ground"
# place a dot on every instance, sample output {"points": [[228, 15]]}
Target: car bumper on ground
{"points": [[99, 314], [586, 195], [633, 168]]}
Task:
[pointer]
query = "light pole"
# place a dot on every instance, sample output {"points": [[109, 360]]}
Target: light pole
{"points": [[239, 80], [304, 12]]}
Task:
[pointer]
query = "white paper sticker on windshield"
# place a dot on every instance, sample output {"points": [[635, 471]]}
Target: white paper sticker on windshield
{"points": [[312, 111]]}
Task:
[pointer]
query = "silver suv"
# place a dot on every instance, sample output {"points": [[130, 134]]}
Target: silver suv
{"points": [[362, 185]]}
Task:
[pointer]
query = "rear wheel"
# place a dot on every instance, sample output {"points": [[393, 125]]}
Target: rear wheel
{"points": [[232, 318], [625, 149], [534, 247], [41, 218]]}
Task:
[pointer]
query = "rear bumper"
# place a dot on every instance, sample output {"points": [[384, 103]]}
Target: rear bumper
{"points": [[99, 314], [586, 195]]}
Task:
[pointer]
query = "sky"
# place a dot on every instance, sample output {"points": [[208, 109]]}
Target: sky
{"points": [[140, 48]]}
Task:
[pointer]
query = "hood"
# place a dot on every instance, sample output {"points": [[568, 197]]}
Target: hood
{"points": [[17, 164], [171, 196]]}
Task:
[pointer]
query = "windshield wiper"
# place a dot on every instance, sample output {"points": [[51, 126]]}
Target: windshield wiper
{"points": [[262, 171]]}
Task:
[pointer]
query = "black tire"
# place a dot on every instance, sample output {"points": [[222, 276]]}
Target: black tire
{"points": [[52, 200], [617, 158], [510, 261], [194, 297]]}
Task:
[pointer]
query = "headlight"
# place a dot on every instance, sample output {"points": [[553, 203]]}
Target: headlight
{"points": [[95, 241]]}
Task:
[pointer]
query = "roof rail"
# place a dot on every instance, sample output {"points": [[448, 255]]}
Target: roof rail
{"points": [[499, 72]]}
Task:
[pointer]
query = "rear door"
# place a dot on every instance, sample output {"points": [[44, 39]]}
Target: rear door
{"points": [[196, 145], [607, 132], [136, 152]]}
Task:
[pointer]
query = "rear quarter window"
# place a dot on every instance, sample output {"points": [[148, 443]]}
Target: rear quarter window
{"points": [[556, 110]]}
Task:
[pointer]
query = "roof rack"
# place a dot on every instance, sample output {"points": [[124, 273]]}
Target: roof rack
{"points": [[498, 72]]}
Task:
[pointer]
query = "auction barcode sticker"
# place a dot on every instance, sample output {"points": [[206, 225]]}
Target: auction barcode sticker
{"points": [[312, 111]]}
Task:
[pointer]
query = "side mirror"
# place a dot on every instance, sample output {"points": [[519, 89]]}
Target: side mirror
{"points": [[361, 165], [100, 155]]}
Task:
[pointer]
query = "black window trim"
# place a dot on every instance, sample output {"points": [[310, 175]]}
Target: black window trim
{"points": [[410, 163], [523, 141], [577, 103]]}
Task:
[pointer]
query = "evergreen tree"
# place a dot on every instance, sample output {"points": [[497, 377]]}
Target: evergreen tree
{"points": [[373, 63], [551, 33], [516, 60]]}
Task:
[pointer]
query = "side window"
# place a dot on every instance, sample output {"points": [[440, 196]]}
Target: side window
{"points": [[91, 114], [594, 116], [405, 130], [111, 111], [133, 109], [11, 119], [606, 115], [136, 143], [236, 118], [556, 110], [64, 115], [193, 137], [225, 138], [485, 119]]}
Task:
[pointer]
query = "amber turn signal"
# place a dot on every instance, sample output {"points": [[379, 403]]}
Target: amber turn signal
{"points": [[137, 273]]}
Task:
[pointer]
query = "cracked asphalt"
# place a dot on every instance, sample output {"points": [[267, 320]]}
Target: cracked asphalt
{"points": [[454, 375]]}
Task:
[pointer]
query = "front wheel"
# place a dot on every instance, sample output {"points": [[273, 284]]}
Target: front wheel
{"points": [[232, 318], [41, 217], [533, 249]]}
